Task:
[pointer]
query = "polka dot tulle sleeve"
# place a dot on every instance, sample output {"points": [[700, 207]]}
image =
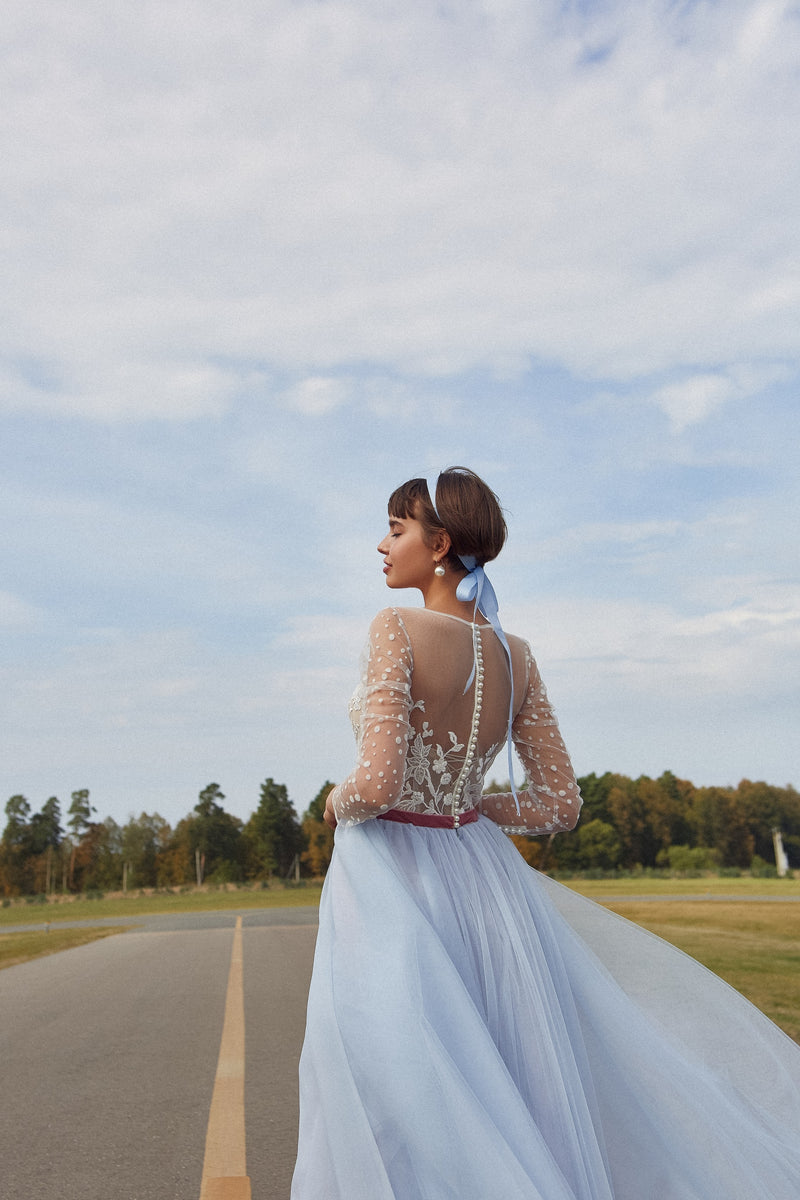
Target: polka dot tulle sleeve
{"points": [[551, 799], [381, 717]]}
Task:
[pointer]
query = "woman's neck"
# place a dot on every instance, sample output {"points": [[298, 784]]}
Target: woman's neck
{"points": [[440, 596]]}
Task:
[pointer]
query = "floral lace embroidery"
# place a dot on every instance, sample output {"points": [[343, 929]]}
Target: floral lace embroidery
{"points": [[404, 761], [430, 769]]}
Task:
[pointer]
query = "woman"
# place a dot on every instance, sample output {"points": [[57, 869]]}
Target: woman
{"points": [[463, 1040]]}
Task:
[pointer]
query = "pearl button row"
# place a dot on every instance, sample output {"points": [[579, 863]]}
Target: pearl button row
{"points": [[469, 757]]}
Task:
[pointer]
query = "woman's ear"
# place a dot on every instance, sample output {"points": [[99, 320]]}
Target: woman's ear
{"points": [[441, 543]]}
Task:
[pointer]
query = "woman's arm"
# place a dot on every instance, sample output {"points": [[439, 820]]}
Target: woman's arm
{"points": [[551, 799], [376, 782]]}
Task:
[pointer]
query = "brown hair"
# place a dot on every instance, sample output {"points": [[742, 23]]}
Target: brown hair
{"points": [[468, 510]]}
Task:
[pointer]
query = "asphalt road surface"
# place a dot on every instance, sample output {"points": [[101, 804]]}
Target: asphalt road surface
{"points": [[110, 1055]]}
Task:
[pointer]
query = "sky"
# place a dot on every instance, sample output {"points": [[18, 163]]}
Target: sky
{"points": [[265, 260]]}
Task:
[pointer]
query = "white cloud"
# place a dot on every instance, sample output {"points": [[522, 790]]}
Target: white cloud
{"points": [[608, 538], [125, 390], [317, 395], [695, 398], [317, 185], [599, 647], [278, 258], [745, 618]]}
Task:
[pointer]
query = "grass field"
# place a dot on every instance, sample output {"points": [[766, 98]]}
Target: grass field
{"points": [[754, 945], [745, 930], [134, 904], [707, 885], [21, 947]]}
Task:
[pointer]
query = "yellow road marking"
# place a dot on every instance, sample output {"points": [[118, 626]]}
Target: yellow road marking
{"points": [[224, 1167]]}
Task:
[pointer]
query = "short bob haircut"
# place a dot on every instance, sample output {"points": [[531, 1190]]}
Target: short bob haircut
{"points": [[469, 510]]}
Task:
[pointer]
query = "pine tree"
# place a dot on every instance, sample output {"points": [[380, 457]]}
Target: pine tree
{"points": [[274, 833]]}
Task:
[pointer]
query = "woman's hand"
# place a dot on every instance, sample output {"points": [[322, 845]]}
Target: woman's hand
{"points": [[329, 816]]}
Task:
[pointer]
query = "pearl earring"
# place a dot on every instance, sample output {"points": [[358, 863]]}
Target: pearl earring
{"points": [[439, 570]]}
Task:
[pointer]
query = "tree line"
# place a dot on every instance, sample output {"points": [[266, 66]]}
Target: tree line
{"points": [[40, 856], [630, 825], [626, 825]]}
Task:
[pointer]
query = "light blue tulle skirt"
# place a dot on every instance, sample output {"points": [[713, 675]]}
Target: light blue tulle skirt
{"points": [[477, 1032]]}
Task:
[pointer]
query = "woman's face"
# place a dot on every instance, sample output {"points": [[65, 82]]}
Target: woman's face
{"points": [[407, 561]]}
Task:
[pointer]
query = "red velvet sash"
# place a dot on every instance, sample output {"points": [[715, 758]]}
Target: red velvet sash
{"points": [[430, 820]]}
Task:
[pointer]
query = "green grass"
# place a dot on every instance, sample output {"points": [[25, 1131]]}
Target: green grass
{"points": [[706, 885], [133, 905], [21, 947], [753, 945], [278, 895]]}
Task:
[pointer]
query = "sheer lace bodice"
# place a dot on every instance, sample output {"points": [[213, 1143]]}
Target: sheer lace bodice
{"points": [[425, 744]]}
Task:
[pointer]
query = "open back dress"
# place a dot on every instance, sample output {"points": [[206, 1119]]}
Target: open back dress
{"points": [[475, 1031]]}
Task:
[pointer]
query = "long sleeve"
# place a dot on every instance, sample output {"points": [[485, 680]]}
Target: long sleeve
{"points": [[375, 784], [550, 800]]}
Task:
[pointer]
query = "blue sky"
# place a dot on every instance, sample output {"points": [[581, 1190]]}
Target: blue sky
{"points": [[265, 261]]}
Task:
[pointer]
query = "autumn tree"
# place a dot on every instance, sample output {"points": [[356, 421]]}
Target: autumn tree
{"points": [[318, 836], [101, 847], [95, 860], [724, 827], [176, 861], [678, 794], [638, 811], [767, 808], [142, 840]]}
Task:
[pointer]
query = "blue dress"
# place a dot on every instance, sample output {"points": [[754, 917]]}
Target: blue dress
{"points": [[474, 1030]]}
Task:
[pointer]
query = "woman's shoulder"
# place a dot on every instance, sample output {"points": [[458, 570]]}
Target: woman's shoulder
{"points": [[522, 644], [398, 616], [392, 615], [389, 624]]}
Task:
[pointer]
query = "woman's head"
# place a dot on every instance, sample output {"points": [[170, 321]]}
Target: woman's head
{"points": [[468, 510]]}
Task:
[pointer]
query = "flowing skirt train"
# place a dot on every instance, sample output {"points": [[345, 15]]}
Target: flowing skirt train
{"points": [[478, 1032]]}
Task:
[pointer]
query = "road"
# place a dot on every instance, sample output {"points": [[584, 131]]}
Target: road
{"points": [[110, 1055]]}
